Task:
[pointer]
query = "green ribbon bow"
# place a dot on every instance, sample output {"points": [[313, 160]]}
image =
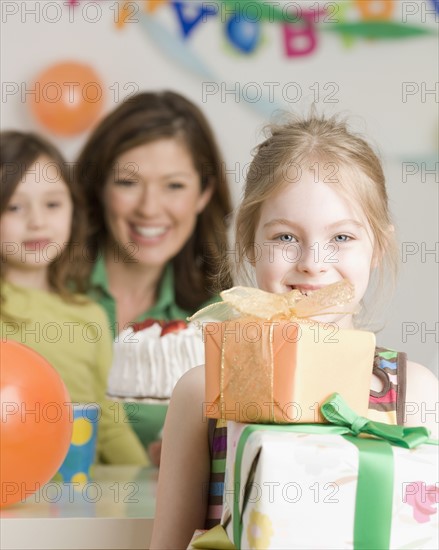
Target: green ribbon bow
{"points": [[335, 410], [373, 516]]}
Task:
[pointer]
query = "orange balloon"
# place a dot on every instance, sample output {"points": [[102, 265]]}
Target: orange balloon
{"points": [[36, 422], [67, 98]]}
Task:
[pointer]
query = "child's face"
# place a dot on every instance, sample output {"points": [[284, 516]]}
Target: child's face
{"points": [[152, 199], [309, 236], [35, 226]]}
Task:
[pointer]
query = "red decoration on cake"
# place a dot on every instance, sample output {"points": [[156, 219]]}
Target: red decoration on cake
{"points": [[167, 326], [173, 326], [146, 324]]}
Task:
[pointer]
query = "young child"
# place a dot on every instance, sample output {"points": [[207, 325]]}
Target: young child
{"points": [[42, 237], [316, 187]]}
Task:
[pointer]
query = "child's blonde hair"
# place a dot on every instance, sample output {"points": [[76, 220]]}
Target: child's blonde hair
{"points": [[345, 161]]}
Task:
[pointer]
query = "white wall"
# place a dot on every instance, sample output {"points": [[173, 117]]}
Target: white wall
{"points": [[368, 77]]}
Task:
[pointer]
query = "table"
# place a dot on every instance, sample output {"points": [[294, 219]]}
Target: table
{"points": [[114, 510]]}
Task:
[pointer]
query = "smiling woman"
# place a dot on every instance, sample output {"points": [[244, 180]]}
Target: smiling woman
{"points": [[155, 206], [157, 201]]}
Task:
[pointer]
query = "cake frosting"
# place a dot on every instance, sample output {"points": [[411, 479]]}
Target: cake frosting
{"points": [[147, 363]]}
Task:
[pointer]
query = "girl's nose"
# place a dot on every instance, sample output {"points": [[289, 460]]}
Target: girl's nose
{"points": [[312, 259], [36, 217]]}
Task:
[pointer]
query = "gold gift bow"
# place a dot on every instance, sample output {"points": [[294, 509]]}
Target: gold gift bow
{"points": [[241, 300], [252, 302]]}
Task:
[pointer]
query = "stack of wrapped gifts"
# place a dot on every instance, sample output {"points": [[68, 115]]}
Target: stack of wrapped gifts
{"points": [[305, 467]]}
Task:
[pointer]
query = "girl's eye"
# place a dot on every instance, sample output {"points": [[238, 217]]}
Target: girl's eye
{"points": [[13, 208], [175, 185], [286, 238], [125, 183], [342, 238], [53, 204]]}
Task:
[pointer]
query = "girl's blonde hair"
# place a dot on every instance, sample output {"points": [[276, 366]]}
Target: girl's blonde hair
{"points": [[345, 161]]}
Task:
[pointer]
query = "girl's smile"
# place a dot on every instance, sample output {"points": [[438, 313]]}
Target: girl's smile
{"points": [[36, 244], [307, 290]]}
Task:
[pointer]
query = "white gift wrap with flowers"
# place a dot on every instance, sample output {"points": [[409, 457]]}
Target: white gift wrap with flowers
{"points": [[302, 490]]}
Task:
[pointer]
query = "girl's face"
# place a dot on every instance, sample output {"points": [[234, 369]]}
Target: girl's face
{"points": [[308, 237], [35, 227], [152, 199]]}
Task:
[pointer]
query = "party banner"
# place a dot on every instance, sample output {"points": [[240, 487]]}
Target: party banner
{"points": [[300, 24]]}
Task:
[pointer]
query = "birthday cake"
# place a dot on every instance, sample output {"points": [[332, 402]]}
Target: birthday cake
{"points": [[150, 357]]}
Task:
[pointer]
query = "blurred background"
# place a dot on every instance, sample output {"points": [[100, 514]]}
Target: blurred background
{"points": [[375, 61]]}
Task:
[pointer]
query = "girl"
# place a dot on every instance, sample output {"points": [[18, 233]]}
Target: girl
{"points": [[318, 188], [158, 199], [40, 210]]}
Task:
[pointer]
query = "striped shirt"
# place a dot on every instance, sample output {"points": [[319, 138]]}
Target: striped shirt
{"points": [[385, 406]]}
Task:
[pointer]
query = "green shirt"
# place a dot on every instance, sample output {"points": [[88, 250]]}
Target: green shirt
{"points": [[75, 339], [147, 420]]}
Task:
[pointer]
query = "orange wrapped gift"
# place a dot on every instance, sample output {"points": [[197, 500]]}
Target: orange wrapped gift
{"points": [[280, 369]]}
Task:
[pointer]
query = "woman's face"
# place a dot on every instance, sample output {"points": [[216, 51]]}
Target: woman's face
{"points": [[152, 198]]}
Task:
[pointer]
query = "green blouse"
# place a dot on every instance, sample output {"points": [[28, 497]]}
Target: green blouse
{"points": [[146, 420], [165, 308]]}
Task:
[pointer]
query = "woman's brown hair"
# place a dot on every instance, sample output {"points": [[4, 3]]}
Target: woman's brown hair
{"points": [[144, 118], [19, 151]]}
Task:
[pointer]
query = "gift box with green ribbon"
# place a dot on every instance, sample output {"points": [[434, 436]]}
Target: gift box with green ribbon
{"points": [[351, 484]]}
